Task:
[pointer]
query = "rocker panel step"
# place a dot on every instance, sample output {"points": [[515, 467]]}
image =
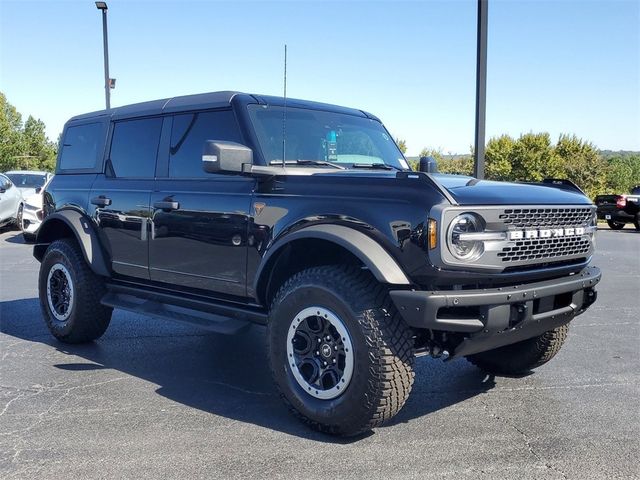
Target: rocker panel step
{"points": [[209, 321]]}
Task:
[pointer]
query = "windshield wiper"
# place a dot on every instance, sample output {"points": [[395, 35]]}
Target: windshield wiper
{"points": [[376, 166], [321, 163]]}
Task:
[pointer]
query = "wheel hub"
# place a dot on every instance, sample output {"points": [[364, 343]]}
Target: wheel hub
{"points": [[320, 353], [60, 292]]}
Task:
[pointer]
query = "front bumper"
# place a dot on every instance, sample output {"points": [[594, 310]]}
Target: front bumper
{"points": [[495, 317], [30, 220]]}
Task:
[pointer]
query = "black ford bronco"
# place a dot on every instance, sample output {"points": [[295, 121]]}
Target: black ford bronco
{"points": [[226, 209]]}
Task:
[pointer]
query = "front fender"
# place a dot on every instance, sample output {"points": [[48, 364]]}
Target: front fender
{"points": [[65, 222], [367, 250]]}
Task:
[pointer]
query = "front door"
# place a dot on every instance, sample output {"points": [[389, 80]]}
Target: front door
{"points": [[200, 220], [120, 197]]}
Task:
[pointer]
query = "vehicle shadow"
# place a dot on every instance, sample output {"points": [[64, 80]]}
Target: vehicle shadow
{"points": [[225, 375], [17, 238]]}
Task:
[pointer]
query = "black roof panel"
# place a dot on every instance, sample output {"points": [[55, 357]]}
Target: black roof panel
{"points": [[208, 100]]}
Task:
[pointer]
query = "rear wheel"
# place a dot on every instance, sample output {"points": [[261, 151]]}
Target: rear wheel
{"points": [[636, 222], [613, 225], [524, 356], [340, 354], [70, 295]]}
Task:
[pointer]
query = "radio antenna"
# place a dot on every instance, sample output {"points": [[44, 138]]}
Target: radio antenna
{"points": [[284, 111]]}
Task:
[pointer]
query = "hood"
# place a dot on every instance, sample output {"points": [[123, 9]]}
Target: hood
{"points": [[27, 191], [33, 200], [470, 191]]}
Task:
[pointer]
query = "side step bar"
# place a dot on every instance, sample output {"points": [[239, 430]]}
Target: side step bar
{"points": [[216, 317]]}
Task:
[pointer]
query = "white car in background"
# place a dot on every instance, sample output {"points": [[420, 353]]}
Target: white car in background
{"points": [[31, 214], [28, 181], [10, 201]]}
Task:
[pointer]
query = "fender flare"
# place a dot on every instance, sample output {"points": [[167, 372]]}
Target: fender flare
{"points": [[383, 266], [84, 233]]}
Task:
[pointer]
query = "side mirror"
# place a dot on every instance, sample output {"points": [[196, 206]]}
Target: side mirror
{"points": [[38, 190], [219, 156], [428, 165]]}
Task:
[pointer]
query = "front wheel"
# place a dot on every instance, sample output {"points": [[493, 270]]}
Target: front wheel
{"points": [[19, 218], [340, 354], [522, 357], [70, 295], [613, 225]]}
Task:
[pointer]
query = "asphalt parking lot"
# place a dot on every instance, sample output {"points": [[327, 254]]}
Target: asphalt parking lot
{"points": [[158, 400]]}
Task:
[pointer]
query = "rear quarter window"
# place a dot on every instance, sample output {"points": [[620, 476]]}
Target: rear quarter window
{"points": [[82, 147]]}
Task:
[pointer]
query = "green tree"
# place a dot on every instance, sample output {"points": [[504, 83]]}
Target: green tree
{"points": [[23, 146], [582, 164], [11, 141], [402, 145], [623, 173], [39, 151], [534, 158], [499, 158]]}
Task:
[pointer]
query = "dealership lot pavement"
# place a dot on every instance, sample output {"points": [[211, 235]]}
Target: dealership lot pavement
{"points": [[151, 400]]}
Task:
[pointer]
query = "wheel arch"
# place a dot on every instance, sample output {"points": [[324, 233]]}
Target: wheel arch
{"points": [[329, 244], [72, 224]]}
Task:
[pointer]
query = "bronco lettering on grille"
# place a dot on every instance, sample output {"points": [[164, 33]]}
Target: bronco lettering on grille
{"points": [[546, 233]]}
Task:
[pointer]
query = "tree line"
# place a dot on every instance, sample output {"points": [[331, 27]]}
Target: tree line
{"points": [[534, 156], [23, 145]]}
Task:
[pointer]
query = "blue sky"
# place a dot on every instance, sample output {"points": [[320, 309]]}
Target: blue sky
{"points": [[558, 66]]}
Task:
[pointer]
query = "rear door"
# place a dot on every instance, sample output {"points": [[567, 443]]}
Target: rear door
{"points": [[200, 220], [120, 196]]}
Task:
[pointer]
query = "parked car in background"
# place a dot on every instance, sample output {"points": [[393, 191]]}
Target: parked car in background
{"points": [[10, 201], [28, 181], [32, 213], [621, 209]]}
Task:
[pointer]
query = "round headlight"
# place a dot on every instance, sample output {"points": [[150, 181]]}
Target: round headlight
{"points": [[464, 248]]}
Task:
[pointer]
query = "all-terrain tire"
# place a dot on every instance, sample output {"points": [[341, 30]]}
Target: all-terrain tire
{"points": [[615, 225], [383, 349], [86, 318], [521, 357]]}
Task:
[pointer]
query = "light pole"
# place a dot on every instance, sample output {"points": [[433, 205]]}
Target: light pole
{"points": [[107, 82], [481, 88]]}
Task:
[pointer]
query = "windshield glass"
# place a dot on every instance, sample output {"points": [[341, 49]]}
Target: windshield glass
{"points": [[27, 180], [314, 135]]}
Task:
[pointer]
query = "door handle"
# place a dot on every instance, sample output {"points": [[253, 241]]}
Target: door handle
{"points": [[166, 206], [101, 201]]}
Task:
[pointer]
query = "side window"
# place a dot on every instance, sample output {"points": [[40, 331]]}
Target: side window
{"points": [[5, 183], [134, 148], [188, 134], [82, 146]]}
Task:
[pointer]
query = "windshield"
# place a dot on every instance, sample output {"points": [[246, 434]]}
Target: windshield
{"points": [[321, 136], [27, 180]]}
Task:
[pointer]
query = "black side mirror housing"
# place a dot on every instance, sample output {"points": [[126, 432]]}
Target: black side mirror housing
{"points": [[38, 190], [428, 165], [219, 156]]}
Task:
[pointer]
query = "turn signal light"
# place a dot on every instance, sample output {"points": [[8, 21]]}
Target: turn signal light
{"points": [[433, 234]]}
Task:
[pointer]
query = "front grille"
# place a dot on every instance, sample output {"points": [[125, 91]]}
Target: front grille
{"points": [[546, 217], [537, 250], [543, 249]]}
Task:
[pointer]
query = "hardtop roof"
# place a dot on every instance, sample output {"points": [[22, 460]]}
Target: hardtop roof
{"points": [[211, 100]]}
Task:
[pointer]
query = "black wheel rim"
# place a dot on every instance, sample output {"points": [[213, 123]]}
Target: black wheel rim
{"points": [[320, 353], [60, 292]]}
